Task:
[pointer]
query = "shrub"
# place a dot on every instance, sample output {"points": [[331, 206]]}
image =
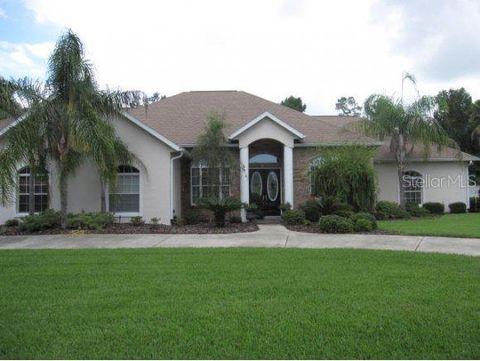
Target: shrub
{"points": [[93, 220], [416, 211], [434, 207], [293, 217], [344, 213], [220, 207], [335, 224], [44, 220], [235, 219], [332, 205], [362, 225], [155, 221], [474, 204], [137, 221], [285, 207], [457, 207], [12, 222], [389, 210], [312, 209], [193, 216], [368, 216]]}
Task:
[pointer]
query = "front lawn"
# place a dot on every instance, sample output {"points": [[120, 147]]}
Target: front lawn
{"points": [[449, 225], [238, 303]]}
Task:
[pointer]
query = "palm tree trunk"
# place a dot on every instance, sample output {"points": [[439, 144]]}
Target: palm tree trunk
{"points": [[31, 192], [63, 200], [103, 198], [401, 158]]}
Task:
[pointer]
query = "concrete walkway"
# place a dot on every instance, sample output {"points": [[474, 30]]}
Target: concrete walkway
{"points": [[268, 236]]}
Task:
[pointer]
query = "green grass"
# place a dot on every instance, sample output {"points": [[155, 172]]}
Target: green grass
{"points": [[449, 225], [238, 303]]}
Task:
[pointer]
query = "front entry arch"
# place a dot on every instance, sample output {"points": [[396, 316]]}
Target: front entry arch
{"points": [[266, 190]]}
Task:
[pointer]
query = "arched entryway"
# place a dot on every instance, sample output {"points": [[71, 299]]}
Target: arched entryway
{"points": [[265, 175]]}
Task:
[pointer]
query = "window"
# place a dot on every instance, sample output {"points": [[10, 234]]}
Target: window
{"points": [[264, 158], [40, 191], [413, 183], [125, 197], [201, 187]]}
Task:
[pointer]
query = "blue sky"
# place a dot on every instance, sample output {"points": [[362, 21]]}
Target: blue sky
{"points": [[319, 50]]}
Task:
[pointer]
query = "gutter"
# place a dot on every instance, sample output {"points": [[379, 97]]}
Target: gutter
{"points": [[171, 183]]}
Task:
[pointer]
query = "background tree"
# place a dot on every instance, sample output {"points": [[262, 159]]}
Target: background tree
{"points": [[294, 103], [74, 118], [404, 126], [348, 107]]}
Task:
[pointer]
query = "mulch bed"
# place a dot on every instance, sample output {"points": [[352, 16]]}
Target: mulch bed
{"points": [[126, 228]]}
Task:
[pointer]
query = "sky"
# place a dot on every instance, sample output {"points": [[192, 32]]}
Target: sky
{"points": [[318, 50]]}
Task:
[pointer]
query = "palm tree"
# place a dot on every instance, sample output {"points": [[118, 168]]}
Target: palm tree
{"points": [[74, 118], [404, 126]]}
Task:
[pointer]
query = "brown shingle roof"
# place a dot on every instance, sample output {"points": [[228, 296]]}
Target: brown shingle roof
{"points": [[182, 117], [418, 152]]}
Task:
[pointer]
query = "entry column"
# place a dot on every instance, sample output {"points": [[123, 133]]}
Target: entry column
{"points": [[288, 174], [244, 186]]}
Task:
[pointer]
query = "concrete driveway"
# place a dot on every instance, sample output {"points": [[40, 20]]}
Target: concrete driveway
{"points": [[268, 236]]}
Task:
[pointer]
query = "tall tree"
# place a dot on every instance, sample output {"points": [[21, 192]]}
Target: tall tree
{"points": [[404, 126], [294, 103], [348, 106], [74, 118]]}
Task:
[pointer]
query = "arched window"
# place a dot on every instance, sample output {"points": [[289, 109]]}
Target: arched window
{"points": [[125, 197], [413, 185], [40, 191], [264, 158]]}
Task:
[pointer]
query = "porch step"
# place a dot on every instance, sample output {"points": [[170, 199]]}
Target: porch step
{"points": [[270, 220]]}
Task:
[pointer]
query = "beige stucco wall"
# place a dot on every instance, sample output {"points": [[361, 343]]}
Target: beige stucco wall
{"points": [[266, 129], [445, 182], [153, 164]]}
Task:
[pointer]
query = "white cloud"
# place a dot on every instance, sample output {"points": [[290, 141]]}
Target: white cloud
{"points": [[3, 14], [314, 49], [21, 59]]}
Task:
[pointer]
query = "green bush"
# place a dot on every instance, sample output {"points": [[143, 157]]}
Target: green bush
{"points": [[44, 220], [194, 216], [368, 216], [235, 219], [12, 222], [344, 213], [457, 207], [434, 207], [155, 221], [416, 211], [362, 225], [293, 217], [474, 204], [389, 210], [93, 220], [332, 205], [137, 221], [220, 207], [312, 209], [335, 224]]}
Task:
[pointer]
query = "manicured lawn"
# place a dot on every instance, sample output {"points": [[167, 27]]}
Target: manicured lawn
{"points": [[238, 303], [450, 225]]}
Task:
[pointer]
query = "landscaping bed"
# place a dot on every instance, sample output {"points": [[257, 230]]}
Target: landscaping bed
{"points": [[127, 228]]}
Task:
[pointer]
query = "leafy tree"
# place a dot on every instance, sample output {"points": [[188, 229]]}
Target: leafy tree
{"points": [[460, 118], [348, 106], [403, 126], [294, 103], [346, 173], [73, 117]]}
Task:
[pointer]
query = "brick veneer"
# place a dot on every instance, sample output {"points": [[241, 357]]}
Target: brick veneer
{"points": [[301, 178]]}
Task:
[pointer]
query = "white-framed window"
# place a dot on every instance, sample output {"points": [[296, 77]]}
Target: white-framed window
{"points": [[413, 184], [125, 196], [40, 191], [202, 187]]}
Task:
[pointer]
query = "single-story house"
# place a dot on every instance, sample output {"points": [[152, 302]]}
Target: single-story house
{"points": [[275, 147]]}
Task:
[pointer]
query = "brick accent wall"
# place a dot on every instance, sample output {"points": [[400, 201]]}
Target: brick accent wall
{"points": [[301, 177]]}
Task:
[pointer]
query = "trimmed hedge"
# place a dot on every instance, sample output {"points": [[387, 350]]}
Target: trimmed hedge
{"points": [[368, 216], [389, 210], [416, 211], [44, 220], [293, 217], [12, 222], [312, 209], [335, 224], [434, 207], [92, 220], [362, 225], [457, 207]]}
